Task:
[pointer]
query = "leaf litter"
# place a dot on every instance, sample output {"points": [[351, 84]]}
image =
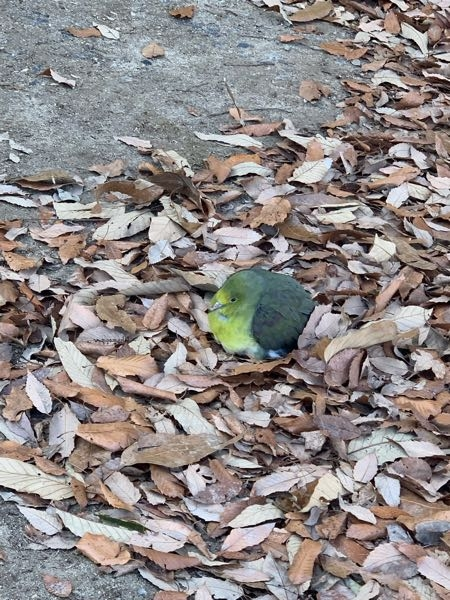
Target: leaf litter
{"points": [[122, 422]]}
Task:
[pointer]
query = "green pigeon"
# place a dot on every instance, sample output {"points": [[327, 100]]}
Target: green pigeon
{"points": [[259, 314]]}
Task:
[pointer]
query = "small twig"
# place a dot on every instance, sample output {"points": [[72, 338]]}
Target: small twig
{"points": [[257, 64], [230, 93]]}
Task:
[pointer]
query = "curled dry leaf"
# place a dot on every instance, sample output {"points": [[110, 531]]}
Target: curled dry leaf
{"points": [[102, 550], [58, 78], [152, 50]]}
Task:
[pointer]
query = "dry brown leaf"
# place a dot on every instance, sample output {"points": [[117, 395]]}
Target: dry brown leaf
{"points": [[176, 183], [45, 180], [183, 12], [166, 483], [175, 450], [301, 569], [152, 50], [8, 292], [102, 550], [343, 48], [316, 11], [17, 262], [108, 309], [112, 169], [112, 436], [140, 191], [85, 32], [313, 90], [61, 588], [275, 211], [140, 365], [156, 314]]}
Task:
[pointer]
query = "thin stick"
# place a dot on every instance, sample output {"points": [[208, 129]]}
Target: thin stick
{"points": [[230, 93]]}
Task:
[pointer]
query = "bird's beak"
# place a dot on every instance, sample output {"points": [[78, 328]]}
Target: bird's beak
{"points": [[215, 306]]}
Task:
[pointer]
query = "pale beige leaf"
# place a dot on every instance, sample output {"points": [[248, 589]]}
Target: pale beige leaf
{"points": [[434, 569], [421, 39], [122, 487], [123, 226], [388, 76], [312, 171], [284, 479], [188, 415], [343, 215], [62, 428], [253, 515], [42, 520], [240, 139], [393, 366], [107, 32], [76, 211], [176, 359], [134, 141], [114, 270], [382, 557], [164, 228], [242, 538], [360, 512], [152, 50], [419, 449], [235, 236], [24, 477], [247, 168], [384, 443], [79, 527], [389, 488], [38, 394], [377, 332], [328, 488], [366, 468], [160, 251], [410, 317], [77, 366], [382, 250]]}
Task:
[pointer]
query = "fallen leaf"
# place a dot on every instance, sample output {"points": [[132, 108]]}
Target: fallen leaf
{"points": [[183, 12], [85, 32], [301, 569], [152, 50], [58, 78], [61, 588], [316, 11]]}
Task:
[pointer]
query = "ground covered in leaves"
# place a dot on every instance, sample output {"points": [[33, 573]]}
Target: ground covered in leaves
{"points": [[128, 434]]}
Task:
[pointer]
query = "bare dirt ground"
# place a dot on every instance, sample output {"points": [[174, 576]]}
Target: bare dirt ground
{"points": [[118, 92]]}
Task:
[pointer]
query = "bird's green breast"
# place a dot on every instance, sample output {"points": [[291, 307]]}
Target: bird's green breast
{"points": [[235, 332]]}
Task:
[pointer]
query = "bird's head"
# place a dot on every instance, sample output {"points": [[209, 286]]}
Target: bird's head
{"points": [[238, 293]]}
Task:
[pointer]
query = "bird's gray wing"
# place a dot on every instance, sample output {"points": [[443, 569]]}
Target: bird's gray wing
{"points": [[280, 317]]}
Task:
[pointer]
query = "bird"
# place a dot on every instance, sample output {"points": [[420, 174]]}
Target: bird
{"points": [[259, 314]]}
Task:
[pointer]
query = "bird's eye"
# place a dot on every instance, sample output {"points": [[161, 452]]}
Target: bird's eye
{"points": [[233, 299]]}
